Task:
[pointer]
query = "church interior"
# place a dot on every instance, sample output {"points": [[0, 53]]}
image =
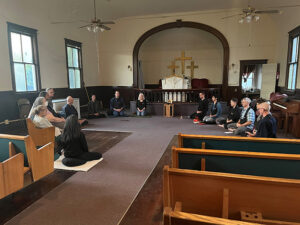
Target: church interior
{"points": [[149, 112]]}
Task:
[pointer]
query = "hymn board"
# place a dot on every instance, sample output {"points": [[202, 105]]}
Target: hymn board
{"points": [[174, 81]]}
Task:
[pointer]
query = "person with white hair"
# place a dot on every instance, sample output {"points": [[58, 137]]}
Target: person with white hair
{"points": [[141, 105], [267, 124], [246, 121]]}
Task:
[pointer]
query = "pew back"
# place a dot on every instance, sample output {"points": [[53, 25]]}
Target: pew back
{"points": [[248, 163], [226, 195], [272, 145]]}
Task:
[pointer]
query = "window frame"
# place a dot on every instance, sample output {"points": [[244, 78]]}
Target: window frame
{"points": [[22, 30], [292, 34], [78, 45]]}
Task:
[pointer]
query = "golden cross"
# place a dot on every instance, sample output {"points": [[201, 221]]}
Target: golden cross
{"points": [[173, 67], [183, 58], [192, 67]]}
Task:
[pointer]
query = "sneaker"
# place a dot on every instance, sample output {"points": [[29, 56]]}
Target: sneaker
{"points": [[195, 121]]}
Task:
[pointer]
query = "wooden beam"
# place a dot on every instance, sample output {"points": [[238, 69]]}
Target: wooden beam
{"points": [[225, 203]]}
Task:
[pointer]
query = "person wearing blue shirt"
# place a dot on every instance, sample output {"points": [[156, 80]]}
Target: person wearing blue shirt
{"points": [[215, 111], [246, 121]]}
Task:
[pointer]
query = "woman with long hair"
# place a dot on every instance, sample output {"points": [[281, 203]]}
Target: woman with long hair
{"points": [[141, 105], [75, 147]]}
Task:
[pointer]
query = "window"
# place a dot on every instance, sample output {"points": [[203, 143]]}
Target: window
{"points": [[74, 63], [293, 58], [23, 58]]}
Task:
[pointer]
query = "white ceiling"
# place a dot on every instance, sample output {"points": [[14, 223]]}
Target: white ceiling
{"points": [[116, 9]]}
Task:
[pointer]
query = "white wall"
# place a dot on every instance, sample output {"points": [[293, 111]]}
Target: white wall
{"points": [[254, 41], [159, 50], [38, 15]]}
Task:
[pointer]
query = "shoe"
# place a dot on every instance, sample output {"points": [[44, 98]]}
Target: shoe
{"points": [[195, 121]]}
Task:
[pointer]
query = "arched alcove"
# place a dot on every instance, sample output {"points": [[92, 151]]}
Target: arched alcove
{"points": [[179, 24]]}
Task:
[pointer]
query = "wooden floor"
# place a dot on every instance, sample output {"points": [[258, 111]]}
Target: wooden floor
{"points": [[13, 204]]}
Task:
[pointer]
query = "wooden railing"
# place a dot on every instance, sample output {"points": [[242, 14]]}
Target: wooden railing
{"points": [[177, 95]]}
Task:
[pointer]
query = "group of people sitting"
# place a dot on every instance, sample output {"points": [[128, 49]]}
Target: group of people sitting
{"points": [[68, 135], [255, 121]]}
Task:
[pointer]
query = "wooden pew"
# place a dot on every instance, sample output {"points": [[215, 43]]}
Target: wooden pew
{"points": [[231, 196], [40, 136], [237, 162], [271, 145], [176, 217], [39, 161], [11, 175]]}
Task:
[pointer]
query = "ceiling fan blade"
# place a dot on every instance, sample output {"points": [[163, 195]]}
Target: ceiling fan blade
{"points": [[107, 22], [275, 11], [104, 27], [62, 22], [226, 17], [283, 6], [86, 25]]}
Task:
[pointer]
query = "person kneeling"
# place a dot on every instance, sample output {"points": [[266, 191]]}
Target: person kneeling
{"points": [[75, 147], [215, 111], [267, 125], [69, 109]]}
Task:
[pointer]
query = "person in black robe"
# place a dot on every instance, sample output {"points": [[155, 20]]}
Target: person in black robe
{"points": [[74, 144], [267, 125], [69, 110], [233, 115], [202, 109], [94, 109]]}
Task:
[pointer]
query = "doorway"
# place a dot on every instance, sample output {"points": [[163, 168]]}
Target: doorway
{"points": [[251, 77]]}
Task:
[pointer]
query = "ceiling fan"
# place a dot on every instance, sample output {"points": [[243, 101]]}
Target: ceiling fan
{"points": [[95, 25], [250, 14]]}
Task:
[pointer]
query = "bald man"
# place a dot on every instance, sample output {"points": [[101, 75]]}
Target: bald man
{"points": [[69, 110], [267, 125]]}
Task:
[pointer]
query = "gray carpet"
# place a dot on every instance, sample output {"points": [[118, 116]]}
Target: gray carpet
{"points": [[102, 195]]}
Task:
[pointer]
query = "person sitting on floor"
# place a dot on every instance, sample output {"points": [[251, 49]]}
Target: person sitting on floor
{"points": [[75, 146], [246, 121], [202, 109], [141, 105], [215, 111], [40, 120], [233, 115], [94, 109], [267, 124], [117, 105], [69, 109]]}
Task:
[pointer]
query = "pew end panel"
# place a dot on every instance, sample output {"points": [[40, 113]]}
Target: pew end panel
{"points": [[41, 161], [40, 136], [11, 175]]}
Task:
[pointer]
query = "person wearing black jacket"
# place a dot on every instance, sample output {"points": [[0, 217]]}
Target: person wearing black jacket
{"points": [[202, 109], [233, 115], [267, 125], [74, 144], [141, 105], [94, 108], [69, 110], [117, 105]]}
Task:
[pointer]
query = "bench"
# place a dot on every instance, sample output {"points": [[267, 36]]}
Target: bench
{"points": [[11, 174], [237, 162], [262, 200], [271, 145], [39, 161]]}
